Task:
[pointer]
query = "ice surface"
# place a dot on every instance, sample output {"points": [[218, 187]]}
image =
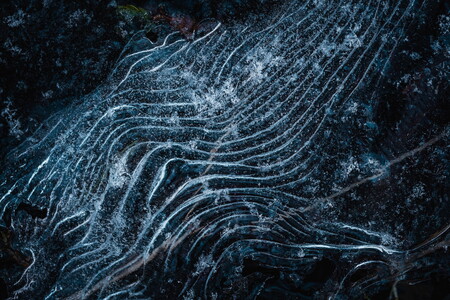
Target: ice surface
{"points": [[200, 168]]}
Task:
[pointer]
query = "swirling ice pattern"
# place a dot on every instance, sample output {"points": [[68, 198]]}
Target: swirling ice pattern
{"points": [[190, 164]]}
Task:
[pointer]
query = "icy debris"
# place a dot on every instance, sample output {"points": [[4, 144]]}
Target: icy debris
{"points": [[10, 115], [17, 19], [119, 173]]}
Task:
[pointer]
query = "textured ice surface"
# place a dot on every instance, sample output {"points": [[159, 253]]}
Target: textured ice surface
{"points": [[201, 169]]}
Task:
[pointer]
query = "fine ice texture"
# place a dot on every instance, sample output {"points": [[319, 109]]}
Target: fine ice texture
{"points": [[203, 168]]}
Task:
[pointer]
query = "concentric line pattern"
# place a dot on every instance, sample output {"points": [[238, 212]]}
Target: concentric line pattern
{"points": [[186, 171]]}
